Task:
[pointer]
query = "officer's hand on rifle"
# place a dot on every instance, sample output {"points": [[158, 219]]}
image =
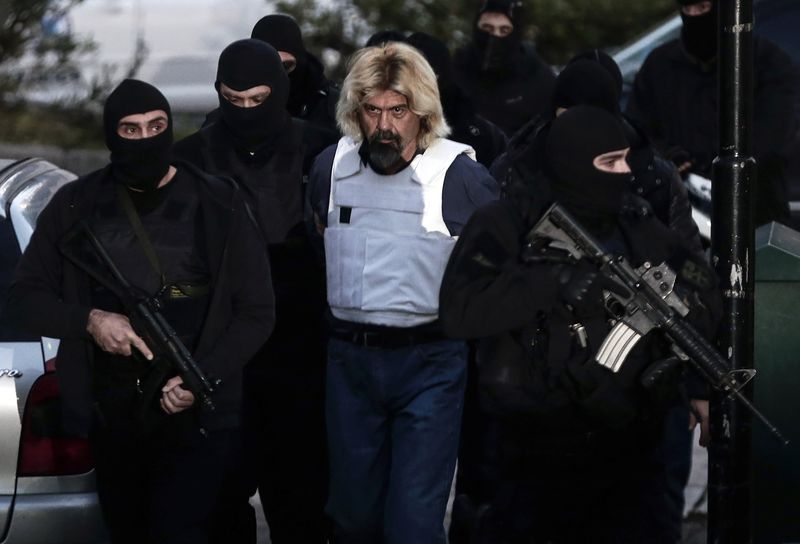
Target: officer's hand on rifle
{"points": [[175, 398], [699, 414], [581, 284], [114, 334], [681, 158]]}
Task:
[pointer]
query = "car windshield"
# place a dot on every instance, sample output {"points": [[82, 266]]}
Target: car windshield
{"points": [[36, 182]]}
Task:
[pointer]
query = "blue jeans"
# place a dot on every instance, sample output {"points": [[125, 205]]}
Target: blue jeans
{"points": [[393, 420]]}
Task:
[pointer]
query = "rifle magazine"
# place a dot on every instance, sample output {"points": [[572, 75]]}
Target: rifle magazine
{"points": [[616, 346]]}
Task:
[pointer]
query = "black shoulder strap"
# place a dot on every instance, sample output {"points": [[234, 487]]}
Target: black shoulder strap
{"points": [[138, 229], [147, 246]]}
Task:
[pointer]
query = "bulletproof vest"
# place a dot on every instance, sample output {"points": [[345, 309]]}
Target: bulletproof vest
{"points": [[272, 182], [174, 230], [386, 243]]}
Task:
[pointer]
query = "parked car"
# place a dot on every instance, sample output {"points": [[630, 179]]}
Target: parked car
{"points": [[47, 484], [776, 20]]}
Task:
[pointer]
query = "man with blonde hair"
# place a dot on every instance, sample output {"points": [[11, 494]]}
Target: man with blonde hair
{"points": [[390, 200]]}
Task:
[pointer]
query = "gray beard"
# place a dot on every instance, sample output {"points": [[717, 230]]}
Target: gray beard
{"points": [[385, 158]]}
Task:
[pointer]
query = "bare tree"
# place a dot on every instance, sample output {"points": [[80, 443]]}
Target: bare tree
{"points": [[36, 44]]}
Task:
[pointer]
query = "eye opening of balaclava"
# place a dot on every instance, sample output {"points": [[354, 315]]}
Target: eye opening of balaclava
{"points": [[585, 82], [245, 64], [575, 139], [282, 32], [699, 32], [137, 163], [498, 55]]}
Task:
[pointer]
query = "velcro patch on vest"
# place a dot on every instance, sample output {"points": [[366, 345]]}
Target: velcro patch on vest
{"points": [[408, 198]]}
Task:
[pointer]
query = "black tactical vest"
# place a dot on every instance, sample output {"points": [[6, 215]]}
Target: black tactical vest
{"points": [[174, 230], [273, 186], [271, 179]]}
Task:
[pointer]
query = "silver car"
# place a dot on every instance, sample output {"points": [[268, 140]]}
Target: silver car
{"points": [[47, 485]]}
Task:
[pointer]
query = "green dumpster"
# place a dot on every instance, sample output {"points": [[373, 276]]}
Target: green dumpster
{"points": [[776, 469]]}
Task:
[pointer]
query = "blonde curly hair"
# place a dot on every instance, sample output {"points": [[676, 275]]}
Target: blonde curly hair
{"points": [[397, 67]]}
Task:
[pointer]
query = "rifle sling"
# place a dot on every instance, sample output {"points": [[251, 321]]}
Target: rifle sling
{"points": [[144, 242]]}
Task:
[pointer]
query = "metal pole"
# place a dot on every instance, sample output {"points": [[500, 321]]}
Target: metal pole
{"points": [[732, 245]]}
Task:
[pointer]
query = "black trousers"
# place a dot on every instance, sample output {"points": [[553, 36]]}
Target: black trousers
{"points": [[160, 488], [601, 487], [284, 445]]}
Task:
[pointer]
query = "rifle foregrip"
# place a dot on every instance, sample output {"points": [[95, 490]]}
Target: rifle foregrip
{"points": [[195, 385], [697, 348], [713, 365], [163, 338]]}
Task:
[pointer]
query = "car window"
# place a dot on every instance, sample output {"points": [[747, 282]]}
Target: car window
{"points": [[39, 181], [9, 256]]}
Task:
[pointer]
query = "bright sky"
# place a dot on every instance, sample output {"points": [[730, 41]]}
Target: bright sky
{"points": [[184, 38]]}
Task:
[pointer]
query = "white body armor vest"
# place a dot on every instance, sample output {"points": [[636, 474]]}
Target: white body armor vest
{"points": [[386, 244]]}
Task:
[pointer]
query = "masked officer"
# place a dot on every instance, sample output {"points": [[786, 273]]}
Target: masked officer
{"points": [[312, 97], [569, 448], [389, 200], [260, 146], [502, 74], [674, 101], [183, 237], [593, 78], [467, 126]]}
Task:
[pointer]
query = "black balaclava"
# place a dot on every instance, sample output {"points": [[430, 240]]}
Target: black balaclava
{"points": [[606, 61], [575, 139], [282, 33], [245, 64], [140, 164], [699, 33], [385, 36], [585, 82], [499, 55], [438, 56]]}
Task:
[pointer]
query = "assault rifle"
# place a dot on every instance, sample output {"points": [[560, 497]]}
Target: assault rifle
{"points": [[145, 317], [645, 301]]}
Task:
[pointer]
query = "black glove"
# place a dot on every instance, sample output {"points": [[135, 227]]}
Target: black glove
{"points": [[682, 159], [660, 372], [581, 286]]}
